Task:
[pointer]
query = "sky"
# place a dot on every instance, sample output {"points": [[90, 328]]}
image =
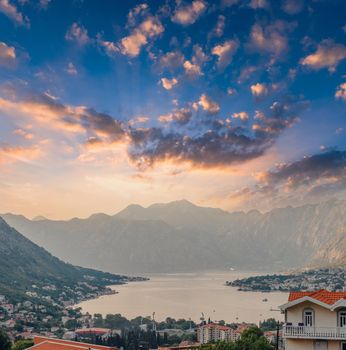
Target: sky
{"points": [[237, 104]]}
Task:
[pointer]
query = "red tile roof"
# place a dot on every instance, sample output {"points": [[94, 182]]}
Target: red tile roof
{"points": [[215, 325], [44, 343], [322, 295], [92, 330]]}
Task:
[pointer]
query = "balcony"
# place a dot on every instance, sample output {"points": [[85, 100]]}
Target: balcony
{"points": [[302, 332]]}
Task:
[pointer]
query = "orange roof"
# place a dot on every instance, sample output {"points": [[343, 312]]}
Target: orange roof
{"points": [[44, 343], [322, 295], [215, 325]]}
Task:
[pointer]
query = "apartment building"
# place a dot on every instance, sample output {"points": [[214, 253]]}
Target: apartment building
{"points": [[213, 332]]}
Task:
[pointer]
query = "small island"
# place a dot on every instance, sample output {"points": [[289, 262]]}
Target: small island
{"points": [[332, 279]]}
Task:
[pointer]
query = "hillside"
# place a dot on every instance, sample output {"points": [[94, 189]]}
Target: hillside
{"points": [[181, 236], [26, 267]]}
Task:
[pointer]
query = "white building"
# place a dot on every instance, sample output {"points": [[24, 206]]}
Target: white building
{"points": [[213, 332], [315, 321]]}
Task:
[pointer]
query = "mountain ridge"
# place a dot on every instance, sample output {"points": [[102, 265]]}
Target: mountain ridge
{"points": [[181, 236]]}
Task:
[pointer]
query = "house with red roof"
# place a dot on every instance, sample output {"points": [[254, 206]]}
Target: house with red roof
{"points": [[315, 321], [44, 343]]}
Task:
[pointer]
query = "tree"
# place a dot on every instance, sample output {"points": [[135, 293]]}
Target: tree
{"points": [[269, 324], [22, 344], [5, 342], [252, 339]]}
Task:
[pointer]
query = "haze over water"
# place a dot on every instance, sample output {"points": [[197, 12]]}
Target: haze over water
{"points": [[187, 295]]}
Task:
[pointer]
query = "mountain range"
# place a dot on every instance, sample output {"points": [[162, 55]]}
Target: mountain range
{"points": [[23, 265], [180, 236]]}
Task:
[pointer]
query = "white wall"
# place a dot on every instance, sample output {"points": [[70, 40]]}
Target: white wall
{"points": [[323, 316], [303, 344]]}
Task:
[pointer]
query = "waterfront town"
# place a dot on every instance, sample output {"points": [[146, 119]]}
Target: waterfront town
{"points": [[332, 279], [307, 326], [61, 319]]}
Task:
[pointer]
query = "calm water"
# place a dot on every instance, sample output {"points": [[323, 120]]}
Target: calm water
{"points": [[188, 295]]}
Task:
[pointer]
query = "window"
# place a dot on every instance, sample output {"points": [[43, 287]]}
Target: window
{"points": [[342, 318], [308, 318], [343, 346]]}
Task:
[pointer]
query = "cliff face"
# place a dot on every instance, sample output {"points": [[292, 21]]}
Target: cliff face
{"points": [[181, 236]]}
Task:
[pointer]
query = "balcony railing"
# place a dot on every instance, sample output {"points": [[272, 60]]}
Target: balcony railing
{"points": [[336, 333]]}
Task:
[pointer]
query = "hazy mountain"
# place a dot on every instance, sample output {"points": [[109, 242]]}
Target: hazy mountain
{"points": [[23, 263], [181, 236]]}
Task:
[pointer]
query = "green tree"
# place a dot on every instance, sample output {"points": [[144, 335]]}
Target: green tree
{"points": [[252, 339], [5, 342], [22, 344], [269, 324]]}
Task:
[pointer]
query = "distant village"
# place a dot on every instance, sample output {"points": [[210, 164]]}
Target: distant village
{"points": [[332, 279], [45, 312]]}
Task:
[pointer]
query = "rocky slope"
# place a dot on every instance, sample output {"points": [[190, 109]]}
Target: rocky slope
{"points": [[24, 264]]}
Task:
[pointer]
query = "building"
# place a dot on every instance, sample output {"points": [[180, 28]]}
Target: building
{"points": [[44, 343], [272, 337], [213, 332], [315, 321], [93, 331]]}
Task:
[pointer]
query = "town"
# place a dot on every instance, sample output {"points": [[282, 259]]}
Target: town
{"points": [[332, 279]]}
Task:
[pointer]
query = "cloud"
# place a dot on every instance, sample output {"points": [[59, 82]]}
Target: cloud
{"points": [[46, 110], [213, 144], [12, 12], [23, 133], [259, 90], [188, 14], [180, 116], [138, 120], [109, 46], [225, 52], [7, 54], [168, 84], [71, 69], [192, 70], [199, 57], [132, 44], [270, 39], [259, 4], [172, 60], [208, 149], [341, 92], [210, 106], [135, 12], [246, 73], [293, 7], [78, 34], [44, 4], [150, 28], [208, 142], [9, 153], [229, 3], [329, 165], [219, 27], [243, 116], [310, 178], [231, 91], [328, 55]]}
